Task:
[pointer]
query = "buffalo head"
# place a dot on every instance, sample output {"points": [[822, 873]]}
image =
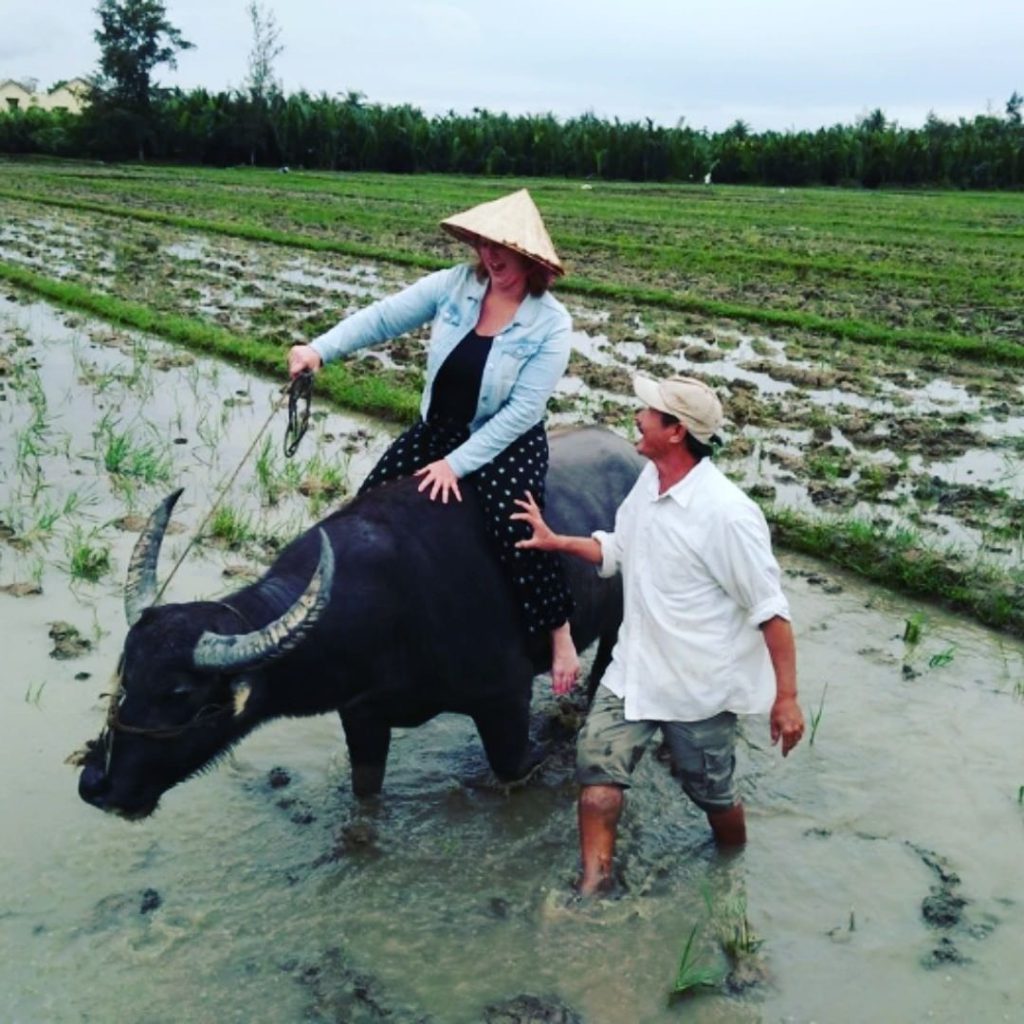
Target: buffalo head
{"points": [[188, 681]]}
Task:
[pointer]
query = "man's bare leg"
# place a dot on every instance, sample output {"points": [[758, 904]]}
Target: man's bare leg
{"points": [[729, 827], [600, 808]]}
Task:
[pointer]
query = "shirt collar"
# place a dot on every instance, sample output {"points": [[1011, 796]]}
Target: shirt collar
{"points": [[682, 492]]}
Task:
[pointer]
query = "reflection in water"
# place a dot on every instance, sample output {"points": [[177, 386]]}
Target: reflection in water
{"points": [[881, 879]]}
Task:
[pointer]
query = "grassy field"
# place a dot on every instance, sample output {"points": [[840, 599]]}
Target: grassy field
{"points": [[870, 345], [940, 269]]}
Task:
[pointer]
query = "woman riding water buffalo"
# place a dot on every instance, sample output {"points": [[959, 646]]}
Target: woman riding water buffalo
{"points": [[499, 343]]}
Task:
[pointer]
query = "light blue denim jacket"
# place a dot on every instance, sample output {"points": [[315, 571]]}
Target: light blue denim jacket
{"points": [[526, 360]]}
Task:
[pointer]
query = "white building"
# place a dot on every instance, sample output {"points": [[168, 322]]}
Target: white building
{"points": [[70, 96]]}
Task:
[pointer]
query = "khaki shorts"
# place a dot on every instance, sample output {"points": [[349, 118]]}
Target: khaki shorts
{"points": [[703, 753]]}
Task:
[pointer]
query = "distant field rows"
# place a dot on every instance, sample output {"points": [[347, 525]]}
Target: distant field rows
{"points": [[918, 270]]}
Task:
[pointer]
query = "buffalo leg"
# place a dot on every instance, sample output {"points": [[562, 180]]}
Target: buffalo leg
{"points": [[504, 730], [368, 741]]}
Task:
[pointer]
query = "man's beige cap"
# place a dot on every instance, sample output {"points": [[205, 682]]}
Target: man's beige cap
{"points": [[691, 401], [513, 221]]}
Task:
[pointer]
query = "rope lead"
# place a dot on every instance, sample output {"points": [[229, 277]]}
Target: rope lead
{"points": [[300, 390]]}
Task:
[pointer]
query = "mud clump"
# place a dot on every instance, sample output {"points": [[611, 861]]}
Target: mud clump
{"points": [[339, 994], [943, 954], [747, 973], [810, 378], [355, 839], [530, 1009], [151, 899], [943, 908], [22, 589], [67, 642]]}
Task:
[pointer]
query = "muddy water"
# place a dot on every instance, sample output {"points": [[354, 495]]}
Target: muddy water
{"points": [[882, 878]]}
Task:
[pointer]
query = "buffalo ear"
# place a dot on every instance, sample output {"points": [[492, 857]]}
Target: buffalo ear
{"points": [[241, 691]]}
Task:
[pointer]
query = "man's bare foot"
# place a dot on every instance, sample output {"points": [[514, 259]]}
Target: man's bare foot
{"points": [[565, 662]]}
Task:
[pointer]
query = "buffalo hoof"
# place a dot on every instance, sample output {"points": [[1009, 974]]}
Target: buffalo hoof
{"points": [[367, 780], [531, 763]]}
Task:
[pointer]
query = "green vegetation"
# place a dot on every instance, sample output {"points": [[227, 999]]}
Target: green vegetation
{"points": [[942, 658], [231, 526], [897, 558], [259, 125], [940, 273], [816, 716], [913, 627], [88, 557], [34, 693], [125, 456], [691, 973]]}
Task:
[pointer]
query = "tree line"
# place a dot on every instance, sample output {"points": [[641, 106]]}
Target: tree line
{"points": [[348, 134], [128, 117]]}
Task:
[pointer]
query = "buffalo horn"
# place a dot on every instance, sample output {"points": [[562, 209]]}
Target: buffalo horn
{"points": [[140, 587], [235, 652]]}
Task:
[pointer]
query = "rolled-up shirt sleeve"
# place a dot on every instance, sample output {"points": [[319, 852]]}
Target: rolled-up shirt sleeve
{"points": [[610, 553], [743, 564]]}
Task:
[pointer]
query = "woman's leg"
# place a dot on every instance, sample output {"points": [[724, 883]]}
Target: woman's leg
{"points": [[417, 447], [537, 577]]}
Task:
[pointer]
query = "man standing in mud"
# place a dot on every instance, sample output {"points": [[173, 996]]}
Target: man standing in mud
{"points": [[705, 634]]}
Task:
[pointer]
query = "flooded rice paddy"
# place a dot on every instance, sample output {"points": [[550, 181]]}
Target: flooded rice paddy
{"points": [[914, 442], [882, 879]]}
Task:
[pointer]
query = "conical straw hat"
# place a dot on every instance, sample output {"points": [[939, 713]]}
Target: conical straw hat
{"points": [[512, 221]]}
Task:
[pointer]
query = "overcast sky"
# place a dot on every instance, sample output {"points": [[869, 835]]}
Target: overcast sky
{"points": [[777, 64]]}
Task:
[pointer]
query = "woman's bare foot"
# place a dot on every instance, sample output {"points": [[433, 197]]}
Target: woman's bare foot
{"points": [[565, 662]]}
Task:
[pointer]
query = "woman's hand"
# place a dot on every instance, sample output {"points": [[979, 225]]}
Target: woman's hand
{"points": [[303, 357], [543, 538], [439, 477]]}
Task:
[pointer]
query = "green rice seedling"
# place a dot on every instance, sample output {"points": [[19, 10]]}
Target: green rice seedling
{"points": [[34, 693], [816, 716], [691, 974], [825, 465], [231, 526], [28, 449], [323, 482], [739, 940], [269, 480], [819, 418], [275, 536], [873, 480], [913, 628], [35, 573], [88, 558], [124, 456], [49, 513], [100, 381], [210, 430], [1020, 795], [943, 658], [735, 935]]}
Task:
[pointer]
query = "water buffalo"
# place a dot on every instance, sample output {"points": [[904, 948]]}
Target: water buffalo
{"points": [[389, 611]]}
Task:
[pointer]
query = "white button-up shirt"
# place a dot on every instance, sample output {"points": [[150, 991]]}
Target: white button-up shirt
{"points": [[699, 577]]}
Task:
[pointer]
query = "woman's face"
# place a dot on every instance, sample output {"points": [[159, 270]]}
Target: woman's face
{"points": [[506, 268]]}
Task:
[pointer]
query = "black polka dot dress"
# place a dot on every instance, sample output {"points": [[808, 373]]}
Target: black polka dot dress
{"points": [[536, 577]]}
